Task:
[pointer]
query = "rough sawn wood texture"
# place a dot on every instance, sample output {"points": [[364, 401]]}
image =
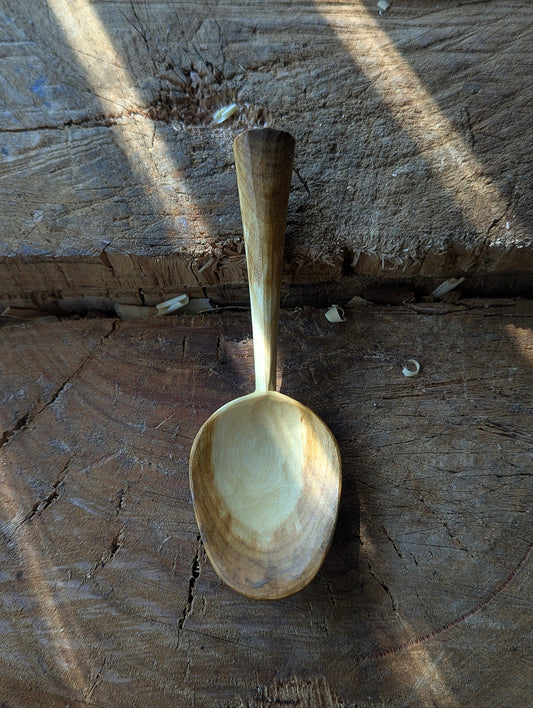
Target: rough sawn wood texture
{"points": [[413, 131], [106, 595]]}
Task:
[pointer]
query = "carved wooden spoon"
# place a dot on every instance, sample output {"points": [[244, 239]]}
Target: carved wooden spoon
{"points": [[265, 471]]}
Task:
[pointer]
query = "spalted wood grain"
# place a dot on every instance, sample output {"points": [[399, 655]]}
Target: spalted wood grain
{"points": [[412, 141], [106, 594]]}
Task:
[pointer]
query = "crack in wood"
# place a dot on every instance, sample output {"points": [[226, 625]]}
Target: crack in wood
{"points": [[226, 640], [28, 417], [398, 552], [97, 121], [43, 504], [302, 180], [109, 555], [497, 220], [140, 29], [332, 595], [96, 682], [379, 654], [384, 587], [19, 425], [219, 345], [195, 574], [116, 545], [121, 498], [507, 431]]}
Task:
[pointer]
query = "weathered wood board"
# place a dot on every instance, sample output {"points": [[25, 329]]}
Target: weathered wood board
{"points": [[106, 595], [413, 127]]}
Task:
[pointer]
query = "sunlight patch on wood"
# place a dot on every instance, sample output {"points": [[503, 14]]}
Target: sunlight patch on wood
{"points": [[57, 626], [148, 155], [523, 338], [417, 112]]}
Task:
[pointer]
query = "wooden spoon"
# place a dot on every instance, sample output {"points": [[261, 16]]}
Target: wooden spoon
{"points": [[265, 471]]}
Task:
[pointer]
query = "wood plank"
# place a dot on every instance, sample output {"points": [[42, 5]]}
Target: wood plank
{"points": [[410, 127], [107, 597]]}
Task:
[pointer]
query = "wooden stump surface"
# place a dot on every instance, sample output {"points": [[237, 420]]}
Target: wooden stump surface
{"points": [[413, 131], [106, 595]]}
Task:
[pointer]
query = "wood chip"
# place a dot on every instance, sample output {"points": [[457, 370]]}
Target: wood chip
{"points": [[224, 113], [446, 286], [411, 368], [335, 314], [175, 303]]}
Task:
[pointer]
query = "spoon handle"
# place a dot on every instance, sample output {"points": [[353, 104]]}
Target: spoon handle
{"points": [[263, 160]]}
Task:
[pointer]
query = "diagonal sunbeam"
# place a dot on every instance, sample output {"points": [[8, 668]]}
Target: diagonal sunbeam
{"points": [[148, 156], [415, 110], [55, 623]]}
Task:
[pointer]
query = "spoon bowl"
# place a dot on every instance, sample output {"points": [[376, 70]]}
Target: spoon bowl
{"points": [[265, 471], [267, 495]]}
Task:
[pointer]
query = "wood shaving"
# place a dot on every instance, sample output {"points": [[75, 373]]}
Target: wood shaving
{"points": [[224, 113], [411, 368], [175, 303], [335, 314], [446, 286]]}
